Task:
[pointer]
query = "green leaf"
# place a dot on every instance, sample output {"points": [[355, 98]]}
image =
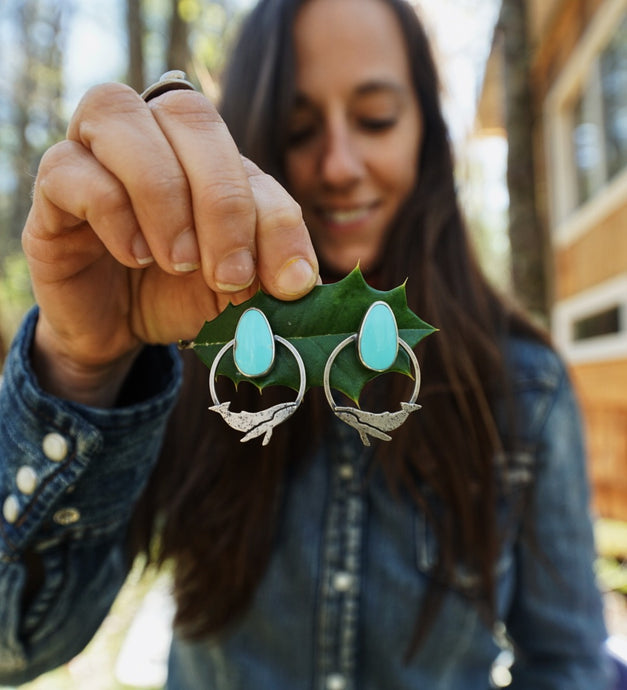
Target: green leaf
{"points": [[314, 325]]}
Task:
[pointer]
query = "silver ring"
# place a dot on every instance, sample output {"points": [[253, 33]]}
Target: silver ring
{"points": [[174, 80]]}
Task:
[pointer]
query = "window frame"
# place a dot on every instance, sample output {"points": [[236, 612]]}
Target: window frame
{"points": [[601, 297], [569, 219]]}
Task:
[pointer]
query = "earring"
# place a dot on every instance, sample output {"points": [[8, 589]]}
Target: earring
{"points": [[253, 354], [377, 348]]}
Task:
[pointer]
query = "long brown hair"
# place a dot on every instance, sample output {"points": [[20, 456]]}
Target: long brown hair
{"points": [[215, 502]]}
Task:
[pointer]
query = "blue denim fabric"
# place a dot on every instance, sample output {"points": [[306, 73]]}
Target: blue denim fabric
{"points": [[77, 515], [337, 606]]}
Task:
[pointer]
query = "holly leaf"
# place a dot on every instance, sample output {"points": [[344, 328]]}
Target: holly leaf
{"points": [[314, 325]]}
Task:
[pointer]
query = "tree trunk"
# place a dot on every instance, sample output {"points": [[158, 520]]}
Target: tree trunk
{"points": [[135, 33], [179, 54], [530, 243], [36, 102]]}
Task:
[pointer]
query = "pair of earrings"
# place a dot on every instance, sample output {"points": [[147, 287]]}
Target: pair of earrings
{"points": [[254, 349]]}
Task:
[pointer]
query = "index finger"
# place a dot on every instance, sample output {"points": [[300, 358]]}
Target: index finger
{"points": [[222, 201]]}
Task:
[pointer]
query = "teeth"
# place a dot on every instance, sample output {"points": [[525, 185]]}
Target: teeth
{"points": [[346, 216]]}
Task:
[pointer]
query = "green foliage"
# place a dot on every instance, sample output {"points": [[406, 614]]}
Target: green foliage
{"points": [[15, 293], [611, 538], [211, 27], [611, 543], [612, 575], [314, 325]]}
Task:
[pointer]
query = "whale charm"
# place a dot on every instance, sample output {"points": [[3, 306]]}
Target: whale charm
{"points": [[377, 343], [253, 355], [255, 424], [375, 424]]}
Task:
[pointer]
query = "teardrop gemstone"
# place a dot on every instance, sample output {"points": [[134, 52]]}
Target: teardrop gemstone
{"points": [[253, 350], [377, 343]]}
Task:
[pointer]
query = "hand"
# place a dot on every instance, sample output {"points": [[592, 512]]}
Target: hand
{"points": [[145, 222]]}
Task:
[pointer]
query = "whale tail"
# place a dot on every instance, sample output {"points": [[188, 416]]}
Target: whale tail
{"points": [[258, 431]]}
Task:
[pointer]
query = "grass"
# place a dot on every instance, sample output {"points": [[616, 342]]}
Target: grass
{"points": [[611, 538], [611, 566]]}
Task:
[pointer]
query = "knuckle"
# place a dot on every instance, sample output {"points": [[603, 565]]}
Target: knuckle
{"points": [[109, 96], [284, 215], [110, 201], [27, 240], [58, 154], [53, 157], [224, 198], [190, 108], [161, 183], [102, 102], [276, 208], [52, 165], [30, 243]]}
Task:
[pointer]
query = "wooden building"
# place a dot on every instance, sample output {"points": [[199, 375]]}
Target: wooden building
{"points": [[578, 81]]}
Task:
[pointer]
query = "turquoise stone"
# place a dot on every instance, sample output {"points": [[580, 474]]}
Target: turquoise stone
{"points": [[377, 342], [253, 350]]}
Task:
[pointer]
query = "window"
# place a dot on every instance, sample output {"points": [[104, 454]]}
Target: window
{"points": [[600, 323], [599, 112], [592, 325], [586, 127]]}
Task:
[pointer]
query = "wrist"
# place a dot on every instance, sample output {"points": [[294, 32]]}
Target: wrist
{"points": [[95, 384]]}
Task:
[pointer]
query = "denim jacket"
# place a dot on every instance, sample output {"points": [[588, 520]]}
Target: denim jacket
{"points": [[337, 606]]}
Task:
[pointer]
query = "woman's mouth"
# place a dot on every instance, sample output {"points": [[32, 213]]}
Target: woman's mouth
{"points": [[344, 217]]}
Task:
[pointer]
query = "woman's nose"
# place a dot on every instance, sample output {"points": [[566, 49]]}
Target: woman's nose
{"points": [[341, 163]]}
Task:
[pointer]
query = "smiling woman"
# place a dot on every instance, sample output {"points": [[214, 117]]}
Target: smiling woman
{"points": [[356, 131]]}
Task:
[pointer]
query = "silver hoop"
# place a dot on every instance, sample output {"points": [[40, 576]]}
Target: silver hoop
{"points": [[374, 424], [255, 424]]}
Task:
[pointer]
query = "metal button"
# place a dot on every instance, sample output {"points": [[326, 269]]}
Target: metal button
{"points": [[11, 509], [346, 471], [55, 447], [66, 516], [26, 479], [342, 581], [336, 681]]}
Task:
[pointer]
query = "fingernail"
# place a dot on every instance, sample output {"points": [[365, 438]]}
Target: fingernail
{"points": [[296, 277], [236, 271], [141, 250], [185, 253]]}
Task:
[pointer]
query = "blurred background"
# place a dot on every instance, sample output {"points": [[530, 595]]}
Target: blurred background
{"points": [[535, 93]]}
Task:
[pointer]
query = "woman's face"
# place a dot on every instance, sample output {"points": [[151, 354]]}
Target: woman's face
{"points": [[355, 129]]}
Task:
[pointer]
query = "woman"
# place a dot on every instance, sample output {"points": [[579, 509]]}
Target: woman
{"points": [[310, 562]]}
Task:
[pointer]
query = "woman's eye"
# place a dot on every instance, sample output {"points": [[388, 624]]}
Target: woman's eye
{"points": [[377, 124], [300, 135]]}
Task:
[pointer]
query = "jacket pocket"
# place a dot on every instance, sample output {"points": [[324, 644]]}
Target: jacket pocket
{"points": [[514, 476]]}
